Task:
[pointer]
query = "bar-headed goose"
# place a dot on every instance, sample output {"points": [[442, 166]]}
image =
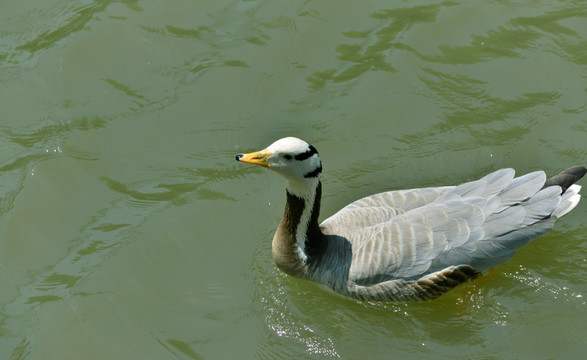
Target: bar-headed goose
{"points": [[408, 245]]}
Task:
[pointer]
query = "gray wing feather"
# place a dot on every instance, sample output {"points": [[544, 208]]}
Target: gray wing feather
{"points": [[406, 234], [569, 200], [521, 188], [406, 246], [490, 253], [380, 208]]}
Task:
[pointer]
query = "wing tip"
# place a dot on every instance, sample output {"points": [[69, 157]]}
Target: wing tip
{"points": [[569, 202]]}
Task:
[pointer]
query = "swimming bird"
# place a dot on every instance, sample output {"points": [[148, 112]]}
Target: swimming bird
{"points": [[408, 245]]}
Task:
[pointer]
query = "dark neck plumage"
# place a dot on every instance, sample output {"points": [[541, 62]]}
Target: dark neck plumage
{"points": [[298, 238]]}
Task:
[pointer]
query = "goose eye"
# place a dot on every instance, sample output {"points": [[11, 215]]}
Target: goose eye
{"points": [[287, 157]]}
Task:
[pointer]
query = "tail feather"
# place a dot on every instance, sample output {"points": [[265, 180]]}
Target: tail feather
{"points": [[566, 178]]}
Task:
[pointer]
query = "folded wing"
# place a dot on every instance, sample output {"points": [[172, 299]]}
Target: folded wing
{"points": [[407, 234]]}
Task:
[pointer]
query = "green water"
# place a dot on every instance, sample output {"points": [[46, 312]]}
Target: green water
{"points": [[128, 231]]}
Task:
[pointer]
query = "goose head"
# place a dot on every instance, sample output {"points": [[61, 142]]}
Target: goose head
{"points": [[290, 157], [298, 233]]}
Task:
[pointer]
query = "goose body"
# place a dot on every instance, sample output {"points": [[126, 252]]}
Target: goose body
{"points": [[408, 245]]}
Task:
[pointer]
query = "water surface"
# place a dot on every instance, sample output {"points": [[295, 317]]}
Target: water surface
{"points": [[128, 231]]}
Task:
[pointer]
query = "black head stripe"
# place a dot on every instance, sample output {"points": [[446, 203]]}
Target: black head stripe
{"points": [[303, 156], [315, 172]]}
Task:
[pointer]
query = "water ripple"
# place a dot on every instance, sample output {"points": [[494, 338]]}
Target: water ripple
{"points": [[371, 53]]}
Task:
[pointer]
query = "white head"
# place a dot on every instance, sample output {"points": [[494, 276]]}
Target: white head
{"points": [[292, 158]]}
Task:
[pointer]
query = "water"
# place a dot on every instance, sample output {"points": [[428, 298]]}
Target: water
{"points": [[128, 231]]}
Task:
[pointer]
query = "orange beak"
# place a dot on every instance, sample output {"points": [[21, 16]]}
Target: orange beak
{"points": [[257, 158]]}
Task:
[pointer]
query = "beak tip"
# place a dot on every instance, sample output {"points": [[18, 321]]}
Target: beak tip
{"points": [[238, 157]]}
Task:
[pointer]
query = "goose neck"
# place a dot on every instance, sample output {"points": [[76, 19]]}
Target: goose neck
{"points": [[298, 236]]}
